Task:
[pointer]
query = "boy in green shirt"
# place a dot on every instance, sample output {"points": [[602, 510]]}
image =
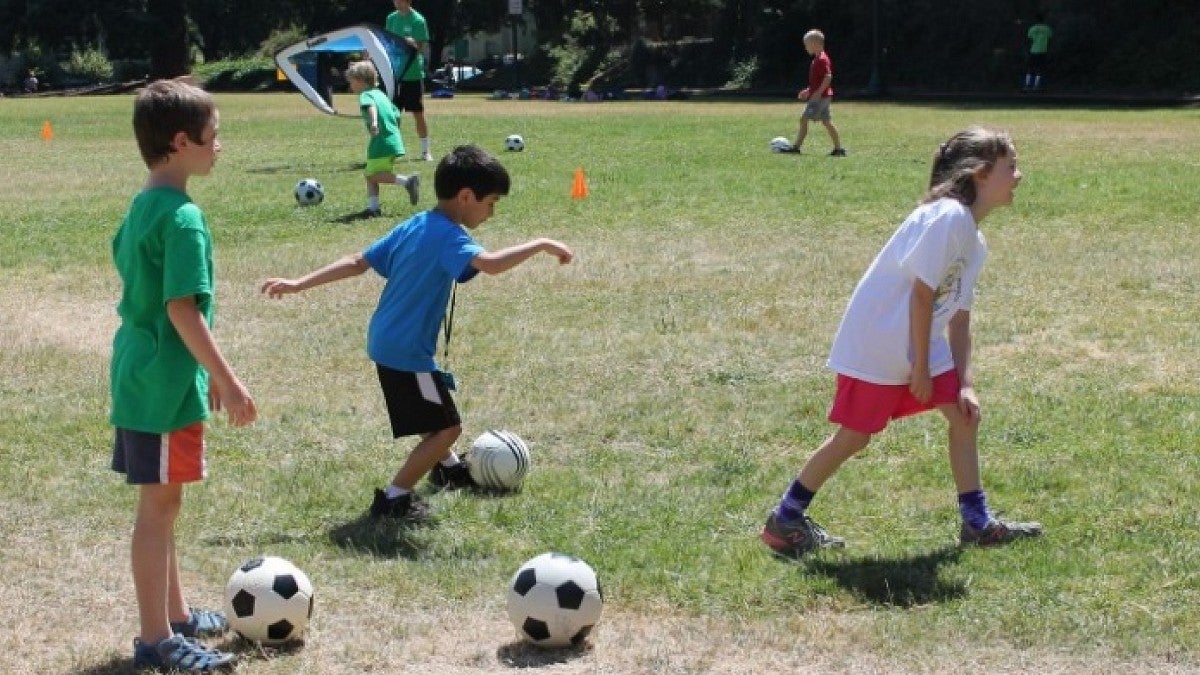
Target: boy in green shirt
{"points": [[1039, 43], [411, 29], [383, 124], [164, 355]]}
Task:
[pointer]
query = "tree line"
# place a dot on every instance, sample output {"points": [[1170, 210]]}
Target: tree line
{"points": [[919, 44]]}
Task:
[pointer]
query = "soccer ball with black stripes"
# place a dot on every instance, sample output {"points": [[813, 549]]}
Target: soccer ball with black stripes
{"points": [[514, 143], [269, 600], [309, 192], [554, 600], [499, 460]]}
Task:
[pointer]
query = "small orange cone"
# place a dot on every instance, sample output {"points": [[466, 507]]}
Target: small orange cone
{"points": [[47, 131], [579, 188]]}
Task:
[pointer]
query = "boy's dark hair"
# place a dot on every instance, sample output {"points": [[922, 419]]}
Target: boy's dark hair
{"points": [[470, 166], [958, 159], [165, 108]]}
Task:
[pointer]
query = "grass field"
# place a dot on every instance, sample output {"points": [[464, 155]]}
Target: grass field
{"points": [[670, 383]]}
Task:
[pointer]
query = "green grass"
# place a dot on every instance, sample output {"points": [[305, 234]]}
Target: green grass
{"points": [[670, 382]]}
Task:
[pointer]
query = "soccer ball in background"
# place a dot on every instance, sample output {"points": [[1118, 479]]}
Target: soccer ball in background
{"points": [[309, 192], [499, 460], [269, 600], [554, 600], [780, 144], [514, 143]]}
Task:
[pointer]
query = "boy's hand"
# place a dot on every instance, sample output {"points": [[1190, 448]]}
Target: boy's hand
{"points": [[558, 250], [277, 288], [803, 95], [968, 403], [374, 128], [920, 385], [235, 398]]}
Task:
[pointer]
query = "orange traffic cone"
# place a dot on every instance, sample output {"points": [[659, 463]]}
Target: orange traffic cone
{"points": [[579, 188], [47, 131]]}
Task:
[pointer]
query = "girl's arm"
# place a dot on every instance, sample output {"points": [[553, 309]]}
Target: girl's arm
{"points": [[343, 268], [959, 335], [229, 390], [920, 320]]}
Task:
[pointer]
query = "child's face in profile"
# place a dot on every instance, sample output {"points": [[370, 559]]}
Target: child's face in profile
{"points": [[476, 211], [813, 47], [356, 85]]}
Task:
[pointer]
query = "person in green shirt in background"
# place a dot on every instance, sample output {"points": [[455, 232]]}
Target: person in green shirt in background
{"points": [[410, 27], [1039, 43], [383, 125]]}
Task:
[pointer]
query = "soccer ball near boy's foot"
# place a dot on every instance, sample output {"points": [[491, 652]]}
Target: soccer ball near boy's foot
{"points": [[309, 192], [499, 460], [269, 600]]}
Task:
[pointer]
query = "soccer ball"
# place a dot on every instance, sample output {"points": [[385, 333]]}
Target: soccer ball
{"points": [[309, 192], [499, 460], [554, 600], [269, 600], [780, 144], [514, 143]]}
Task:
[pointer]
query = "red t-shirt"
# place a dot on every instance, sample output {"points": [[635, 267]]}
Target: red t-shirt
{"points": [[820, 67]]}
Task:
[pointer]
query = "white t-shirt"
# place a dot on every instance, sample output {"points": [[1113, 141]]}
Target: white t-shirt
{"points": [[940, 244]]}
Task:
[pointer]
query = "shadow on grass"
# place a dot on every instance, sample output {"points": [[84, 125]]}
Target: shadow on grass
{"points": [[288, 167], [354, 217], [380, 537], [115, 666], [906, 581], [523, 654]]}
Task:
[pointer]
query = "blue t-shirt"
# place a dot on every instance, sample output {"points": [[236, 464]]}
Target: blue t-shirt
{"points": [[421, 259]]}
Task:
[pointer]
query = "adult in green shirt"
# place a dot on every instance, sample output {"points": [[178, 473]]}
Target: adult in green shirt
{"points": [[1039, 43], [410, 27]]}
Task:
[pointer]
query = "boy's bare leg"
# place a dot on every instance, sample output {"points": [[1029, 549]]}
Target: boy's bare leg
{"points": [[833, 134], [432, 449], [153, 560], [801, 133], [964, 451]]}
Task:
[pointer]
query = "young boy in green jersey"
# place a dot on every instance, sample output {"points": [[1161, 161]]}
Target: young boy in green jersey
{"points": [[164, 360], [383, 124]]}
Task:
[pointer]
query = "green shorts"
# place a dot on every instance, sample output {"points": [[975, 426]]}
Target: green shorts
{"points": [[378, 164]]}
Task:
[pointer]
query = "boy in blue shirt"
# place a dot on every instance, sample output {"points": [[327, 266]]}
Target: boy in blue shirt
{"points": [[422, 259]]}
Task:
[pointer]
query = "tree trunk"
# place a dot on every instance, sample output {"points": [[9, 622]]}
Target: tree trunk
{"points": [[169, 52]]}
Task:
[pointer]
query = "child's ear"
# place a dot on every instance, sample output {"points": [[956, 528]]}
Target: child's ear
{"points": [[179, 141]]}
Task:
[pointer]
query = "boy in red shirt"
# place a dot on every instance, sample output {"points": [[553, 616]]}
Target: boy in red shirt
{"points": [[818, 94]]}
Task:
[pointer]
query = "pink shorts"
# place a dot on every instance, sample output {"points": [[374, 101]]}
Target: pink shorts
{"points": [[866, 407]]}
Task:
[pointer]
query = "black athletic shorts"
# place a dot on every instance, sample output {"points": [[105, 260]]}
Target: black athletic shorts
{"points": [[417, 403], [410, 95]]}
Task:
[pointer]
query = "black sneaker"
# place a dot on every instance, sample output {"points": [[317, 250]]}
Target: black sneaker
{"points": [[791, 150], [838, 152], [408, 507], [370, 213], [797, 538], [452, 477]]}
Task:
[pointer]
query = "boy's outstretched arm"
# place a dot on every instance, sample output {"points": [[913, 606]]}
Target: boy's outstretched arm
{"points": [[495, 262], [228, 391], [343, 268]]}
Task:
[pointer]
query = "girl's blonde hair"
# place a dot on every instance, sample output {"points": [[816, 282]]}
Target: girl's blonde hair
{"points": [[958, 160], [363, 71]]}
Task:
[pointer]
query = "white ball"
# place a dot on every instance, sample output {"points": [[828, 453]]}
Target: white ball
{"points": [[269, 600], [514, 143], [499, 460], [779, 144], [309, 192], [554, 600]]}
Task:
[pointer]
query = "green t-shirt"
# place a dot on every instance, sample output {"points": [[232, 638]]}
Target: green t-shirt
{"points": [[387, 142], [410, 25], [162, 251], [1039, 38]]}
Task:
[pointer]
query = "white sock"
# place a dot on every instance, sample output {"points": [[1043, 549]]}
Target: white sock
{"points": [[373, 202], [401, 180], [393, 492], [451, 460], [425, 146]]}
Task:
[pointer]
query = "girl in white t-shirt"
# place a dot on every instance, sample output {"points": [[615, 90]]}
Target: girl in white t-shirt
{"points": [[904, 344]]}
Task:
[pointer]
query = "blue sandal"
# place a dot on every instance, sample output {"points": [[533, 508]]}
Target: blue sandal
{"points": [[179, 653], [201, 623]]}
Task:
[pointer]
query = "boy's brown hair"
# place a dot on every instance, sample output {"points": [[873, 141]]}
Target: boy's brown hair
{"points": [[164, 108]]}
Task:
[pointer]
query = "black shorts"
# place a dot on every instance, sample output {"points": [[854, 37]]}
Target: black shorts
{"points": [[410, 95], [417, 403]]}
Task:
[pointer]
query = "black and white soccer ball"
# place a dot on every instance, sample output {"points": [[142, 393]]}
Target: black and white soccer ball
{"points": [[555, 600], [309, 192], [780, 144], [514, 143], [269, 600], [499, 460]]}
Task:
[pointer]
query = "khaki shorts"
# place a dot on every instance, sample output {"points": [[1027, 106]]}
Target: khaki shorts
{"points": [[818, 110]]}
